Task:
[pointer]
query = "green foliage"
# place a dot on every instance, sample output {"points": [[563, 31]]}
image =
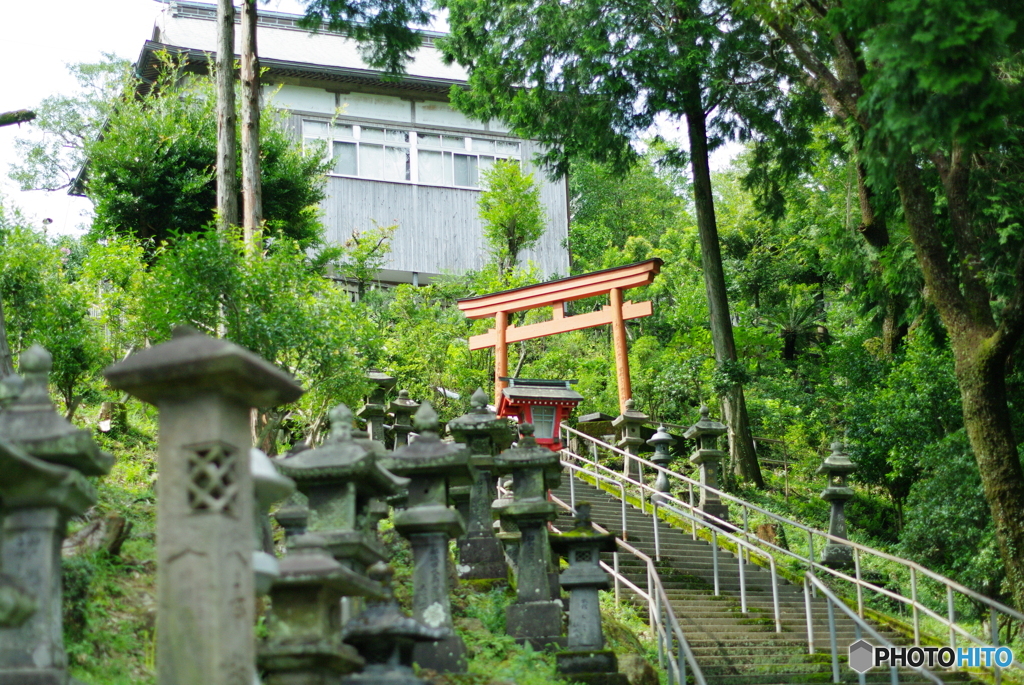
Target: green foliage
{"points": [[511, 213], [150, 175], [43, 305]]}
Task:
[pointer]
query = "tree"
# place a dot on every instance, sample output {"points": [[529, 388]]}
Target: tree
{"points": [[512, 214], [252, 192], [227, 162], [586, 78], [931, 91]]}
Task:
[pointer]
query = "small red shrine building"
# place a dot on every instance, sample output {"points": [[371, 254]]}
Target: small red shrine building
{"points": [[544, 403]]}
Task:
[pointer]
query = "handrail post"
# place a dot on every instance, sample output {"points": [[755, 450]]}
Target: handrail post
{"points": [[746, 530], [951, 612], [657, 539], [832, 639], [572, 492], [652, 605], [623, 488], [993, 629], [810, 621], [860, 587], [714, 560], [743, 583], [775, 595], [913, 599], [615, 563]]}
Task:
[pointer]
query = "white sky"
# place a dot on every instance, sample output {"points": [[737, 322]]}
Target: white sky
{"points": [[38, 40]]}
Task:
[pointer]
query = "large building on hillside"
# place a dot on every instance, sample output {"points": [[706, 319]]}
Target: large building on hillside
{"points": [[400, 154]]}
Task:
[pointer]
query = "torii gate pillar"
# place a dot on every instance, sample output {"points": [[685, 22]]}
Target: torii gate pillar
{"points": [[554, 294]]}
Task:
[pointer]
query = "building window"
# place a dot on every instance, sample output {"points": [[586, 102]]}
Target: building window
{"points": [[387, 154], [543, 421]]}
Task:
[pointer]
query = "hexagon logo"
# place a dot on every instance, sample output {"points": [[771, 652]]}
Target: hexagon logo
{"points": [[862, 656]]}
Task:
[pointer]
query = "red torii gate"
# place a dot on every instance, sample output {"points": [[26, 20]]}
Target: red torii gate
{"points": [[553, 294]]}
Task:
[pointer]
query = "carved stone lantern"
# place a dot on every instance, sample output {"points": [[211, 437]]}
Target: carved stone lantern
{"points": [[386, 637], [432, 466], [374, 410], [43, 464], [304, 641], [543, 403], [204, 389], [661, 441], [402, 409], [270, 487], [537, 614], [340, 479], [629, 426], [837, 466], [708, 459], [585, 659], [480, 553]]}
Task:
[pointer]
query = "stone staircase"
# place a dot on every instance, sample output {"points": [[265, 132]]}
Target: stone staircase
{"points": [[732, 647]]}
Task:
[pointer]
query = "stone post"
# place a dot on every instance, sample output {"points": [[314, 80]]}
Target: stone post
{"points": [[432, 467], [270, 487], [585, 658], [304, 643], [43, 464], [402, 410], [204, 389], [373, 411], [537, 614], [708, 458], [480, 552], [386, 638], [837, 466], [661, 441], [628, 425]]}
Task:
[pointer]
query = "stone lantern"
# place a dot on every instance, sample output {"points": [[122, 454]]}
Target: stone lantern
{"points": [[205, 389], [304, 641], [537, 614], [480, 553], [373, 411], [270, 487], [629, 425], [402, 409], [385, 637], [432, 466], [837, 466], [340, 479], [708, 458], [661, 441], [585, 659], [43, 464]]}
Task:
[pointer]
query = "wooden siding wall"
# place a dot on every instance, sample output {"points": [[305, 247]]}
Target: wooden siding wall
{"points": [[439, 229]]}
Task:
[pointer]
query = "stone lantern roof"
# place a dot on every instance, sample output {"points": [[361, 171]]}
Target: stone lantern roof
{"points": [[32, 422], [342, 458], [428, 455]]}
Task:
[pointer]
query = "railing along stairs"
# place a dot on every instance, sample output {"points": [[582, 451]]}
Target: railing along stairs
{"points": [[662, 506]]}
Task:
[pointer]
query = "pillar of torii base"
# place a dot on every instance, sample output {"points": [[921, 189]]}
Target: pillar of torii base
{"points": [[555, 294]]}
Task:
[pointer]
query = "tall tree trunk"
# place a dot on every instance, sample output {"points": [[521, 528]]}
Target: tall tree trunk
{"points": [[252, 194], [6, 360], [980, 352], [741, 443], [227, 163]]}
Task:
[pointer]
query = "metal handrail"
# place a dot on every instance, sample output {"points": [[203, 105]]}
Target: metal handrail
{"points": [[914, 569], [716, 526], [860, 627], [659, 611]]}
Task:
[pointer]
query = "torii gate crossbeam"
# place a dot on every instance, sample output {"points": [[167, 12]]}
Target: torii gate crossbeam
{"points": [[611, 282]]}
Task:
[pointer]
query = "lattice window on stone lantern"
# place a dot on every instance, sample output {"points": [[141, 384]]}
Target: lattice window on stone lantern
{"points": [[583, 556], [212, 485]]}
